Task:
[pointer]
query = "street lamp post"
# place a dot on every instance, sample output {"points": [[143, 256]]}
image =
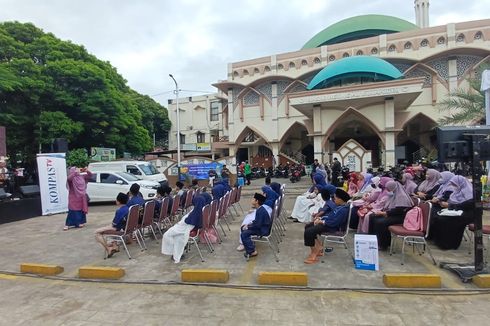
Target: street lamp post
{"points": [[178, 125]]}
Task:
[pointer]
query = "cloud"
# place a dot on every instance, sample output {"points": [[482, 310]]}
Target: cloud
{"points": [[195, 39]]}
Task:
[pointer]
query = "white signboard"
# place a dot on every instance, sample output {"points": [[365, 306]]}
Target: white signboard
{"points": [[52, 182]]}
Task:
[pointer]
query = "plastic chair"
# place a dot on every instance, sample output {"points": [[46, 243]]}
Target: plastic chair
{"points": [[147, 223], [270, 236], [163, 216], [129, 230], [339, 236]]}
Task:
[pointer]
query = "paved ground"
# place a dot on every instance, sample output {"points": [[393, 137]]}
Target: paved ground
{"points": [[52, 302]]}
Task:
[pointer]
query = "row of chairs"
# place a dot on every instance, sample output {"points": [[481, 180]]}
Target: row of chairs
{"points": [[397, 231], [278, 226]]}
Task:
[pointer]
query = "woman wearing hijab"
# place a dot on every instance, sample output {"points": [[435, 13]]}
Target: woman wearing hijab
{"points": [[367, 182], [175, 239], [408, 184], [369, 194], [393, 212], [77, 198], [429, 186], [447, 231], [321, 169], [355, 181], [374, 206]]}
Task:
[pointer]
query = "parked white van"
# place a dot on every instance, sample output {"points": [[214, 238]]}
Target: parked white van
{"points": [[141, 169]]}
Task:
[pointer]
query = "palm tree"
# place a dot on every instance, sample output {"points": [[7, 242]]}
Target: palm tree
{"points": [[465, 106]]}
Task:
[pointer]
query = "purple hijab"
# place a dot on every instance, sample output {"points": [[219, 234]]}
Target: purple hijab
{"points": [[431, 180], [78, 182], [446, 176], [400, 197], [367, 181], [463, 190], [408, 184]]}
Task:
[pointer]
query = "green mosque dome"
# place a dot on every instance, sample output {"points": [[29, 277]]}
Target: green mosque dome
{"points": [[359, 27], [371, 68]]}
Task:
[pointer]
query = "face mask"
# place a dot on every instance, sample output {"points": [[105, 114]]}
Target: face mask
{"points": [[390, 193]]}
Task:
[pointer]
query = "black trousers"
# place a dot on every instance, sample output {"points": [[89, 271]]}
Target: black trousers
{"points": [[378, 225], [248, 177], [312, 231]]}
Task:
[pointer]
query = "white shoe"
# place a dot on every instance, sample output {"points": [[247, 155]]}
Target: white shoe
{"points": [[240, 248]]}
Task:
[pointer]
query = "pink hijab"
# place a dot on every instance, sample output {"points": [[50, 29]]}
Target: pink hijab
{"points": [[78, 182], [400, 198]]}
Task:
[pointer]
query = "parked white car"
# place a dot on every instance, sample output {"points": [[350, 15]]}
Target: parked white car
{"points": [[142, 169], [105, 185]]}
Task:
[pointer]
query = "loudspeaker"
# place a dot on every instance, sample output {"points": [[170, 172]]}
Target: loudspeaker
{"points": [[29, 191], [60, 145]]}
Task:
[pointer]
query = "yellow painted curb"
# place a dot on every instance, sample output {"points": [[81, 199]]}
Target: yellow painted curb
{"points": [[482, 280], [412, 280], [41, 269], [205, 276], [283, 278], [112, 273]]}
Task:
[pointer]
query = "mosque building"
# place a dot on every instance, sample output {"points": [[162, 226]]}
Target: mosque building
{"points": [[365, 90]]}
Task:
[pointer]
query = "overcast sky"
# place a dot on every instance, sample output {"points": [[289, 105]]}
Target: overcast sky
{"points": [[195, 39]]}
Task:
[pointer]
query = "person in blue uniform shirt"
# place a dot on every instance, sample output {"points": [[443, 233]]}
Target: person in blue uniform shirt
{"points": [[218, 190], [332, 222], [260, 226], [118, 223], [270, 196], [135, 197]]}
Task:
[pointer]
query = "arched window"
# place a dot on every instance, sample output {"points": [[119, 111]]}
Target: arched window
{"points": [[424, 43], [478, 35], [256, 70], [304, 62], [359, 52], [345, 55], [441, 40], [392, 48], [374, 51], [245, 72], [235, 74], [267, 69], [331, 58], [460, 38], [292, 65], [317, 60], [280, 66], [408, 46]]}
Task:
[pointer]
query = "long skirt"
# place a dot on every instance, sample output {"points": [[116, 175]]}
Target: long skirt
{"points": [[175, 239], [75, 218]]}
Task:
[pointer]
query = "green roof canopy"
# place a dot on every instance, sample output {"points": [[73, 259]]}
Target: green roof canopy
{"points": [[359, 27], [359, 66]]}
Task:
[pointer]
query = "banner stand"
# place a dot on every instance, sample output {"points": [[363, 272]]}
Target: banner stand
{"points": [[52, 183]]}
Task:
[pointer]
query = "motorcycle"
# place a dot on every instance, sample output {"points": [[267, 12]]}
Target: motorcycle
{"points": [[295, 175]]}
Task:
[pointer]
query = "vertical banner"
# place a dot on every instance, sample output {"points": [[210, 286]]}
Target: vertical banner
{"points": [[52, 182]]}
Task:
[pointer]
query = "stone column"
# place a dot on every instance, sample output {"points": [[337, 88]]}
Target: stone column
{"points": [[389, 157]]}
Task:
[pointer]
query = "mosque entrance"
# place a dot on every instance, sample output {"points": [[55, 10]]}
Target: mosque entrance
{"points": [[353, 128], [416, 140]]}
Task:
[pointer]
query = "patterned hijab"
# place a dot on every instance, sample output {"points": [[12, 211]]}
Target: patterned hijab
{"points": [[463, 190], [431, 180]]}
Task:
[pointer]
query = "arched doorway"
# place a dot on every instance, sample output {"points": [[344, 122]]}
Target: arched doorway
{"points": [[253, 147], [417, 140], [295, 143], [353, 126]]}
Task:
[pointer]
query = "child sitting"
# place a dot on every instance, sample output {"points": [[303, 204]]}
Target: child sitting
{"points": [[118, 223]]}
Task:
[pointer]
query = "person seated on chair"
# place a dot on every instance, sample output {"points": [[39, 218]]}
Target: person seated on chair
{"points": [[218, 190], [163, 192], [118, 223], [179, 188], [135, 197], [206, 195], [429, 186], [195, 184], [332, 222], [260, 226], [175, 239], [328, 206], [270, 196], [274, 185]]}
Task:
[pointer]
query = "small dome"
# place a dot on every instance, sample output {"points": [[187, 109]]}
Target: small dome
{"points": [[359, 27], [359, 66]]}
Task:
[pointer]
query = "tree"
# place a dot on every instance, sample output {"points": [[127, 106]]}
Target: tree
{"points": [[77, 157], [465, 106], [55, 89]]}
